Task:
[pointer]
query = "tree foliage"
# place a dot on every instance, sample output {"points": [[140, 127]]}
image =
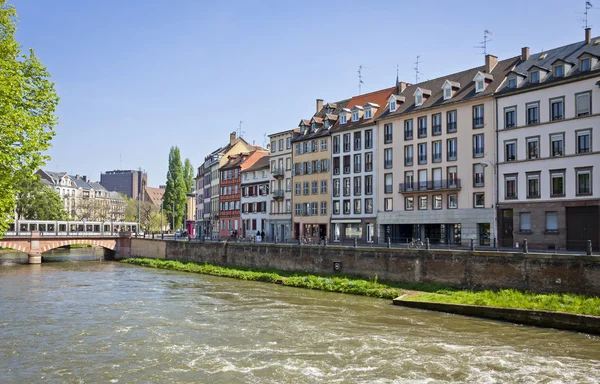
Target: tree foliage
{"points": [[175, 193], [35, 201], [150, 215], [188, 175], [28, 102]]}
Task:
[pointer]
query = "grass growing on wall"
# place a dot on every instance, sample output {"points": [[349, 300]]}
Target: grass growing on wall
{"points": [[509, 298]]}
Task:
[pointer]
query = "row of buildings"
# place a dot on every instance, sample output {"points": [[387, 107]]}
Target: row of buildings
{"points": [[504, 152]]}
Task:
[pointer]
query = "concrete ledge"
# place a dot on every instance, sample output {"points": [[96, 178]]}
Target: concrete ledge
{"points": [[546, 319]]}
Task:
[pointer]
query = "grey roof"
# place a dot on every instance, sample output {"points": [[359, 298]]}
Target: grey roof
{"points": [[321, 131], [568, 53], [80, 183], [96, 185]]}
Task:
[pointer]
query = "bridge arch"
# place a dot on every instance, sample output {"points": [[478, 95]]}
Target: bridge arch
{"points": [[50, 244]]}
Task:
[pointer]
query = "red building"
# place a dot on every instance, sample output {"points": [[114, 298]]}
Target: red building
{"points": [[230, 191]]}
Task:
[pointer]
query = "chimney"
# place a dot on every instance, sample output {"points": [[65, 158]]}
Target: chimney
{"points": [[588, 35], [490, 63], [401, 86], [84, 178], [525, 53], [319, 105], [232, 137]]}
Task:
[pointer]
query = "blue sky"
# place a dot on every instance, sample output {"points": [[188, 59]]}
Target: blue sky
{"points": [[136, 77]]}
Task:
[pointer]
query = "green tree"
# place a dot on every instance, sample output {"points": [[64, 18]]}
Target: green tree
{"points": [[28, 102], [175, 194], [35, 201], [188, 175]]}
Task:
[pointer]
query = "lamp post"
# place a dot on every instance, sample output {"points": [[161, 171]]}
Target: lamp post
{"points": [[485, 164]]}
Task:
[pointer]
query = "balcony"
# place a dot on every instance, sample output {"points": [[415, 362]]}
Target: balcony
{"points": [[430, 185], [278, 194], [278, 173]]}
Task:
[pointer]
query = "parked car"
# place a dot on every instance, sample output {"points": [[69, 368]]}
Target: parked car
{"points": [[178, 233]]}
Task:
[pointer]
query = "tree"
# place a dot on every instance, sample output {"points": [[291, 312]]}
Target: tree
{"points": [[175, 194], [35, 201], [28, 102], [188, 175]]}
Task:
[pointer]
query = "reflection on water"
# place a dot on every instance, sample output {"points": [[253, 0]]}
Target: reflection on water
{"points": [[107, 322]]}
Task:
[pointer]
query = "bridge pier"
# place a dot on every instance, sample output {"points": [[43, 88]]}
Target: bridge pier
{"points": [[34, 258], [35, 254]]}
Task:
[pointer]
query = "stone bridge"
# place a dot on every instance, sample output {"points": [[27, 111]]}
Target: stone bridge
{"points": [[37, 243]]}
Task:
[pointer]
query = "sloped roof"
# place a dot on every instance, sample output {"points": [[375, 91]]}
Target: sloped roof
{"points": [[155, 195], [261, 163], [321, 132], [378, 97]]}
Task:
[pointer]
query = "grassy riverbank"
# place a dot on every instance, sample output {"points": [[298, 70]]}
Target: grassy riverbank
{"points": [[388, 290]]}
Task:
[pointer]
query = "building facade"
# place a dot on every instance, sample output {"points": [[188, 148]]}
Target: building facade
{"points": [[255, 199], [280, 210], [128, 182], [434, 141], [549, 149], [199, 197], [354, 180]]}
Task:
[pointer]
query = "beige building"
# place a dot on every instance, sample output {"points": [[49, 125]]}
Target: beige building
{"points": [[311, 173], [435, 140]]}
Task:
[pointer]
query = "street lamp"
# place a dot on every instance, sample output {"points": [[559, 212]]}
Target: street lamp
{"points": [[485, 164]]}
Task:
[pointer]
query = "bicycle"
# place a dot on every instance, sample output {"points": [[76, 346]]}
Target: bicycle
{"points": [[416, 243], [307, 240]]}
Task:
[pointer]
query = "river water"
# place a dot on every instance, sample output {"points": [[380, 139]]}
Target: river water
{"points": [[93, 321]]}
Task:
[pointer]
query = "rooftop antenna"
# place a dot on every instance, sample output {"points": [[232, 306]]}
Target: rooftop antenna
{"points": [[486, 39], [120, 160], [265, 141], [240, 133], [416, 68], [584, 21], [397, 74], [360, 81]]}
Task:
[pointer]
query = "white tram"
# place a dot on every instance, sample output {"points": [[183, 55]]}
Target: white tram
{"points": [[70, 228]]}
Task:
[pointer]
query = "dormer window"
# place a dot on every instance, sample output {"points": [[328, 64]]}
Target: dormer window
{"points": [[585, 64], [326, 124], [559, 70], [343, 119], [447, 93], [448, 88], [418, 97], [534, 77], [355, 116], [512, 82], [480, 81], [393, 106], [479, 85], [368, 114], [313, 126]]}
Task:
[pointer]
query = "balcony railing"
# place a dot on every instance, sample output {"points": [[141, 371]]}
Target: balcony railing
{"points": [[278, 193], [278, 172], [429, 185]]}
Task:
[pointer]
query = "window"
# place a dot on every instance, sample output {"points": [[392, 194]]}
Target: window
{"points": [[510, 150], [533, 147], [436, 124], [315, 187], [422, 121], [408, 129], [393, 106], [323, 144], [478, 200], [478, 149], [357, 186], [584, 141], [556, 144], [281, 144], [584, 181], [559, 70], [533, 185], [369, 185], [306, 188], [436, 149], [368, 205], [422, 179], [388, 183], [437, 202], [409, 181], [346, 186], [346, 164], [369, 162], [336, 207], [357, 206], [288, 143], [510, 117], [533, 112], [451, 121], [585, 64], [418, 99], [355, 116], [479, 85], [512, 82], [346, 207], [557, 183], [368, 139], [583, 105], [534, 77], [556, 109], [408, 155], [422, 148], [525, 222], [447, 93], [343, 119], [551, 221], [422, 202], [323, 186], [409, 203], [357, 141], [387, 133], [357, 164], [346, 142], [387, 158], [453, 201], [478, 175], [336, 187], [367, 113], [452, 175], [510, 186], [387, 204], [273, 146], [297, 191], [323, 208], [451, 149], [478, 116], [336, 144]]}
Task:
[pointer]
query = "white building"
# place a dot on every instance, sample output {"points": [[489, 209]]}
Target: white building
{"points": [[548, 155], [255, 198]]}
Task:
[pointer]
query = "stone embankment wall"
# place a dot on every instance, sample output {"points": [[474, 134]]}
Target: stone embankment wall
{"points": [[475, 270]]}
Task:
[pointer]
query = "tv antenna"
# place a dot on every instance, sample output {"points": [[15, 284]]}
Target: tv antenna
{"points": [[486, 39], [265, 142], [360, 80], [240, 133], [584, 21], [416, 68]]}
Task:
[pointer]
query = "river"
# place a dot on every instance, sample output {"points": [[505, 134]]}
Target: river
{"points": [[93, 321]]}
